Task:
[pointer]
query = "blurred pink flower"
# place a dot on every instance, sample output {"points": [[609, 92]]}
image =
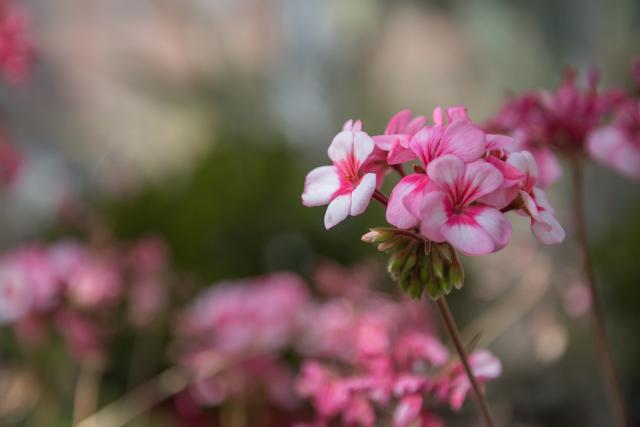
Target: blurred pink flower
{"points": [[16, 49], [347, 186], [617, 145]]}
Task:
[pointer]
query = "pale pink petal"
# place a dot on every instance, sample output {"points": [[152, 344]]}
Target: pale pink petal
{"points": [[548, 230], [456, 113], [415, 125], [426, 143], [612, 147], [337, 210], [466, 235], [400, 153], [434, 216], [530, 204], [447, 171], [464, 140], [352, 125], [626, 160], [496, 142], [362, 146], [501, 197], [485, 365], [480, 178], [407, 410], [542, 200], [549, 168], [494, 223], [398, 122], [341, 147], [525, 162], [397, 213], [413, 201], [321, 183], [362, 194], [438, 116], [384, 142]]}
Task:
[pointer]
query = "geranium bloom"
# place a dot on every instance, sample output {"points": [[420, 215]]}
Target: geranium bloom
{"points": [[395, 141], [458, 137], [535, 202], [454, 214], [348, 185], [618, 144]]}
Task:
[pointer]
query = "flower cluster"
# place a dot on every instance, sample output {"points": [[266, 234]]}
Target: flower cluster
{"points": [[247, 323], [574, 121], [464, 180], [363, 356], [16, 49], [370, 359], [75, 290]]}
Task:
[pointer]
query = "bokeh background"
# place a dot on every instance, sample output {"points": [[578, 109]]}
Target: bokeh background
{"points": [[196, 120]]}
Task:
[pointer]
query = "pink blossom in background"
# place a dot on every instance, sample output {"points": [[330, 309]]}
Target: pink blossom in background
{"points": [[16, 49], [524, 119], [95, 282], [11, 162], [348, 185], [617, 144], [15, 293]]}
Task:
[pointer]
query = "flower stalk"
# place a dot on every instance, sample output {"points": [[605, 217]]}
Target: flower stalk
{"points": [[603, 345]]}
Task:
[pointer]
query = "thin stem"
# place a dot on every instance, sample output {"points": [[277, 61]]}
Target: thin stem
{"points": [[86, 392], [602, 339], [464, 358], [400, 170], [380, 197]]}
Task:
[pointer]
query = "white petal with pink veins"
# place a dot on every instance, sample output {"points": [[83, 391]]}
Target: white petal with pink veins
{"points": [[447, 171], [341, 147], [362, 194], [362, 146], [321, 183], [480, 178], [525, 162], [337, 210]]}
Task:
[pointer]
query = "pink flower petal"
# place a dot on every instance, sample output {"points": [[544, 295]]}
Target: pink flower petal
{"points": [[525, 162], [400, 153], [548, 230], [494, 223], [398, 122], [341, 147], [321, 183], [353, 125], [447, 171], [480, 178], [457, 113], [434, 216], [407, 410], [397, 214], [465, 234], [384, 142], [362, 146], [337, 210], [362, 194], [496, 142], [464, 140]]}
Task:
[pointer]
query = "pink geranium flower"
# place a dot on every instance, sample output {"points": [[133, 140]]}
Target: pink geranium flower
{"points": [[618, 144], [458, 137], [395, 141], [348, 185], [453, 213], [535, 201]]}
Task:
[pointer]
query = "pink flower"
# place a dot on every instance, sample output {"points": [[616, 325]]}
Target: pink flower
{"points": [[453, 213], [348, 185], [618, 144], [407, 411], [16, 50], [484, 365], [459, 137], [15, 293], [419, 346], [395, 141], [94, 282], [535, 201]]}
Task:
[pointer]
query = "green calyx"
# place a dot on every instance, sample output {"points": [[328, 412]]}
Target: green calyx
{"points": [[418, 264]]}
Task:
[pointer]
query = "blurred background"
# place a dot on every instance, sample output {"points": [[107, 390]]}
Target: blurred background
{"points": [[197, 120]]}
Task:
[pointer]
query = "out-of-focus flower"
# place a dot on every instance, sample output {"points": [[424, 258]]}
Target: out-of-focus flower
{"points": [[15, 294], [16, 49], [11, 162], [617, 145], [347, 186]]}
